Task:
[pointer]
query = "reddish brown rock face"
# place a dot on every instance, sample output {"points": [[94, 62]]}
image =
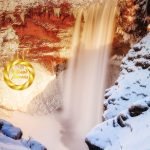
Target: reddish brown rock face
{"points": [[39, 25]]}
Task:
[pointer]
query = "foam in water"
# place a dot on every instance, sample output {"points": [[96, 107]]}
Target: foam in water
{"points": [[85, 78]]}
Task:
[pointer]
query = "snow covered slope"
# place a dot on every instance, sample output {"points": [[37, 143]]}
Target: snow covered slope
{"points": [[127, 121], [133, 83]]}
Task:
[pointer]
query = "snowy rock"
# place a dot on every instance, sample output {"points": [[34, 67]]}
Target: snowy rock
{"points": [[125, 131], [126, 116], [9, 130], [11, 139], [133, 82], [7, 143], [136, 110], [34, 145]]}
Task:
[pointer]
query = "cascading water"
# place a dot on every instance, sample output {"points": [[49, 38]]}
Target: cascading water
{"points": [[84, 86], [85, 78]]}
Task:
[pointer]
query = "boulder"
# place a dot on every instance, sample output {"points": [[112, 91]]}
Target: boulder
{"points": [[10, 131]]}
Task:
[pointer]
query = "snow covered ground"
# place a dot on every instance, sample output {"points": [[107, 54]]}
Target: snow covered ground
{"points": [[127, 122], [39, 123], [19, 100], [37, 99], [45, 129]]}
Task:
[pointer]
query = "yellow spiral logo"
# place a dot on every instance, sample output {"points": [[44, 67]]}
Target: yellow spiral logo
{"points": [[28, 73]]}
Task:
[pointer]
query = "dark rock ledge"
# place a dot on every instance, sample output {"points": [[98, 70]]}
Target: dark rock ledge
{"points": [[91, 146]]}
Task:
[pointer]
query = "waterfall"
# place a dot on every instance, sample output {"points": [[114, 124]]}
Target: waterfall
{"points": [[86, 74]]}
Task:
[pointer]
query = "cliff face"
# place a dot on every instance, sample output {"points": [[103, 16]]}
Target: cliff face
{"points": [[45, 26], [127, 103], [44, 29]]}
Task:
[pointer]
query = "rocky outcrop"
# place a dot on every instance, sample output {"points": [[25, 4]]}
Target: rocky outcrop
{"points": [[126, 115], [132, 84], [11, 138]]}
